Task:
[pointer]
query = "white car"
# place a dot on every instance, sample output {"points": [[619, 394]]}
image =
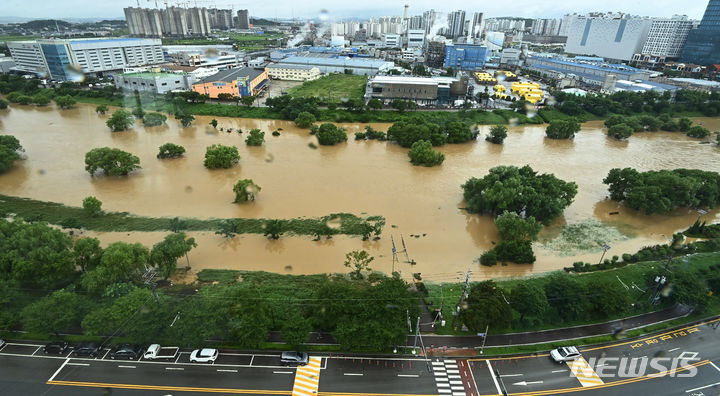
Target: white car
{"points": [[564, 354], [205, 355]]}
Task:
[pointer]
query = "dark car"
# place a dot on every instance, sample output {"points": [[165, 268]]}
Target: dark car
{"points": [[294, 358], [56, 348], [90, 349], [126, 351]]}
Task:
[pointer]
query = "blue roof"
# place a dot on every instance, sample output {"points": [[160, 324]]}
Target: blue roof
{"points": [[611, 67]]}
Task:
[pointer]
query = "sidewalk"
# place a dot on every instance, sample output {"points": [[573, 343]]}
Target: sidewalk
{"points": [[528, 338]]}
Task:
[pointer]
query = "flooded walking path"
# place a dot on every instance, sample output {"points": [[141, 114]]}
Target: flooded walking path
{"points": [[363, 178]]}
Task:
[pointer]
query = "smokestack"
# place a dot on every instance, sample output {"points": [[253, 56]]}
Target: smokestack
{"points": [[405, 13]]}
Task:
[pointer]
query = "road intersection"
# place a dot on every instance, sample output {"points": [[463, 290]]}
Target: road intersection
{"points": [[691, 356]]}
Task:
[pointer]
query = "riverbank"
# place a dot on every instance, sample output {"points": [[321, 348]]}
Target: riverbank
{"points": [[74, 217]]}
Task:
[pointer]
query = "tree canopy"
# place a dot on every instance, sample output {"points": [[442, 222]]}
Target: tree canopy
{"points": [[330, 134], [305, 120], [9, 147], [154, 119], [406, 133], [111, 161], [422, 153], [497, 135], [519, 190], [219, 156], [245, 190], [562, 129], [664, 190], [255, 137], [120, 120], [164, 254], [170, 150]]}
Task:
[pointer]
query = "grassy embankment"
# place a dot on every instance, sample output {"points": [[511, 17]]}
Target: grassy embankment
{"points": [[55, 213], [332, 88]]}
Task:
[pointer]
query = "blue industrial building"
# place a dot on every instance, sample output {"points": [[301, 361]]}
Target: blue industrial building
{"points": [[465, 56], [587, 72], [703, 44]]}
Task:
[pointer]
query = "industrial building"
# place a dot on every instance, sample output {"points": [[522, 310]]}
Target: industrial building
{"points": [[590, 73], [611, 36], [293, 72], [58, 57], [368, 67], [237, 82], [155, 82], [465, 56], [423, 90], [703, 44], [171, 21], [415, 38], [28, 57]]}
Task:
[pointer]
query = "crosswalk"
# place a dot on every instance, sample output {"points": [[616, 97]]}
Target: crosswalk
{"points": [[584, 372], [447, 378], [307, 378]]}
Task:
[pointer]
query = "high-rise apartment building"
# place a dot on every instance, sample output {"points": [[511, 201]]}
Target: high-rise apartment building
{"points": [[475, 26], [703, 44], [456, 24], [667, 36], [220, 19], [243, 19], [171, 21]]}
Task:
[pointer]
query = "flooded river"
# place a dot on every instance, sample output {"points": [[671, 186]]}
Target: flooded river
{"points": [[363, 178]]}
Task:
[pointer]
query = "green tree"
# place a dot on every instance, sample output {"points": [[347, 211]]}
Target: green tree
{"points": [[214, 123], [87, 253], [512, 227], [375, 104], [170, 150], [41, 99], [516, 251], [567, 297], [120, 120], [305, 120], [422, 153], [60, 311], [177, 225], [121, 262], [219, 156], [92, 206], [562, 129], [9, 147], [295, 328], [227, 228], [112, 162], [245, 190], [165, 254], [201, 318], [329, 134], [497, 135], [256, 137], [529, 299], [101, 109], [185, 119], [65, 102], [698, 131], [610, 299], [153, 119], [273, 229], [508, 188], [406, 133], [247, 100], [459, 132], [684, 124], [485, 306], [250, 319], [3, 104], [358, 261], [620, 131]]}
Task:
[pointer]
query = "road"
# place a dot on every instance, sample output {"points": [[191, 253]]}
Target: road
{"points": [[690, 359]]}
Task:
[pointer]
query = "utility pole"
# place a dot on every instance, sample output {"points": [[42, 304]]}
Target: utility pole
{"points": [[462, 297], [660, 281]]}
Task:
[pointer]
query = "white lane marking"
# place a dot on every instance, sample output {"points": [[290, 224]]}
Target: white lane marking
{"points": [[106, 353], [673, 350], [251, 360], [408, 375], [509, 375], [227, 371], [702, 387], [524, 383], [716, 367], [282, 372], [492, 374], [78, 364], [38, 348], [174, 368], [472, 376], [455, 382], [437, 363], [357, 374], [559, 371], [121, 366], [58, 370]]}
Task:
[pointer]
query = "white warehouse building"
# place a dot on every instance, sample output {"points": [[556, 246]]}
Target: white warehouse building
{"points": [[609, 37], [293, 72]]}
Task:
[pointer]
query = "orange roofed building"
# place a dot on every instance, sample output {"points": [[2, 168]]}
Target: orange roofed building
{"points": [[245, 81]]}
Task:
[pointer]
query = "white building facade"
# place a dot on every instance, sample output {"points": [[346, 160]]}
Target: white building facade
{"points": [[607, 36], [28, 56]]}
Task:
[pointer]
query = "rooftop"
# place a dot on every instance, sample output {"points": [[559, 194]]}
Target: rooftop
{"points": [[300, 67], [604, 67], [150, 75], [352, 62], [412, 80], [230, 75]]}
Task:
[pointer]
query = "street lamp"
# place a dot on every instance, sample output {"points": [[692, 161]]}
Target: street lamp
{"points": [[605, 247]]}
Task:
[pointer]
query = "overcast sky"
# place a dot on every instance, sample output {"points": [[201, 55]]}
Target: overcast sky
{"points": [[345, 9]]}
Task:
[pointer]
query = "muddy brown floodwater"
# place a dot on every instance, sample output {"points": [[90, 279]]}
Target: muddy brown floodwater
{"points": [[373, 178]]}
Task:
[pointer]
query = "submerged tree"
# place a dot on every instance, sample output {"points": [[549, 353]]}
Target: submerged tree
{"points": [[245, 190]]}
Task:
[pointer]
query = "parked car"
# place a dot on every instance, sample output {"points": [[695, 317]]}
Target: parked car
{"points": [[205, 355], [294, 358], [126, 351], [2, 343], [564, 354], [56, 348], [89, 349]]}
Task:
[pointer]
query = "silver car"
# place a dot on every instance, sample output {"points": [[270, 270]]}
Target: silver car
{"points": [[294, 358]]}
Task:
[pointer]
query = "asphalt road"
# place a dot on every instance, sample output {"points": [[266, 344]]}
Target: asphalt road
{"points": [[679, 362]]}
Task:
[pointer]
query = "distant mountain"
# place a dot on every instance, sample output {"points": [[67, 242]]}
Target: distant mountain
{"points": [[45, 23], [13, 19], [17, 19], [262, 22]]}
